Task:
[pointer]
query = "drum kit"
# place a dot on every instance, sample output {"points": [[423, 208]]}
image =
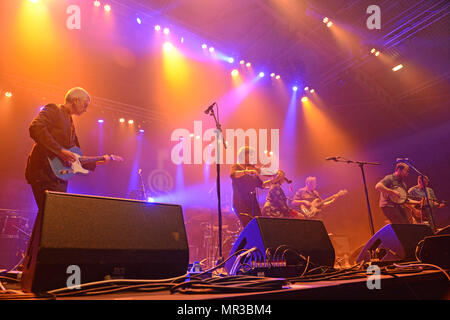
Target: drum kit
{"points": [[203, 231], [15, 232]]}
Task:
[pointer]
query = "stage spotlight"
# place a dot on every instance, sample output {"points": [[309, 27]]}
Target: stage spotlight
{"points": [[241, 62], [295, 88], [150, 199], [97, 3], [312, 90], [277, 76], [271, 153], [396, 68], [204, 46], [230, 60], [191, 135], [157, 28], [329, 24], [182, 40], [272, 74], [100, 121], [304, 99], [141, 130], [121, 120], [306, 88], [107, 8], [373, 50], [166, 31], [197, 137], [211, 49], [8, 94], [248, 64], [325, 20], [234, 73], [261, 74], [377, 53], [167, 46], [138, 20], [130, 121]]}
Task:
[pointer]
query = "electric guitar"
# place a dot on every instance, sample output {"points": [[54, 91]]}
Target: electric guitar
{"points": [[64, 172], [312, 210]]}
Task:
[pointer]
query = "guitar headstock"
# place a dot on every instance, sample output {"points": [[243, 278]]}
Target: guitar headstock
{"points": [[342, 192], [116, 158]]}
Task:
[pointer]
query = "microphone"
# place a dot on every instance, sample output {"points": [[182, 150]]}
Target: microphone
{"points": [[209, 108], [401, 159], [332, 158]]}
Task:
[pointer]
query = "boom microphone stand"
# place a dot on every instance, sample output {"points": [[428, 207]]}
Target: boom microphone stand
{"points": [[219, 134], [361, 165]]}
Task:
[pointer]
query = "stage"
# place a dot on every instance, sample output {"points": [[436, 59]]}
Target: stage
{"points": [[203, 151]]}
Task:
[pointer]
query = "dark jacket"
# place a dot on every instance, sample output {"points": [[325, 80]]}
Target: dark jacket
{"points": [[52, 129]]}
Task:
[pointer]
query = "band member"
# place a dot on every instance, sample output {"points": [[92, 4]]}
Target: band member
{"points": [[304, 197], [418, 193], [53, 132], [245, 176], [276, 201], [396, 213]]}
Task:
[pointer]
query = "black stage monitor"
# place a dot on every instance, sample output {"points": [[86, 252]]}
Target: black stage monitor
{"points": [[105, 238]]}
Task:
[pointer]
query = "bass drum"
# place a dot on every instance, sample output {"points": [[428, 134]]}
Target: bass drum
{"points": [[14, 237]]}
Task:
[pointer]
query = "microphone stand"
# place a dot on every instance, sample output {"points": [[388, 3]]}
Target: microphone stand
{"points": [[430, 211], [219, 133], [142, 185], [361, 165]]}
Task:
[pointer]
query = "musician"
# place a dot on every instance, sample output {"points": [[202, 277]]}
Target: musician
{"points": [[418, 191], [245, 177], [396, 213], [53, 132], [276, 201], [306, 195]]}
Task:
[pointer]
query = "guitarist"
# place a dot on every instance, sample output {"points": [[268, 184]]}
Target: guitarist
{"points": [[53, 132], [418, 193], [306, 195], [396, 213]]}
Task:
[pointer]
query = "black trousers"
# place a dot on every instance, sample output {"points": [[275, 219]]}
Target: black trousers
{"points": [[39, 189]]}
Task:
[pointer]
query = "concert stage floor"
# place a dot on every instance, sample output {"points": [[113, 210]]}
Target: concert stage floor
{"points": [[424, 285]]}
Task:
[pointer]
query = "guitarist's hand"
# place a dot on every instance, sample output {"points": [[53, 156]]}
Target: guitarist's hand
{"points": [[106, 158], [67, 157]]}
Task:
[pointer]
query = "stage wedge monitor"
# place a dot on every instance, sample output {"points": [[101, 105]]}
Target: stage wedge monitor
{"points": [[291, 240], [394, 243], [104, 238]]}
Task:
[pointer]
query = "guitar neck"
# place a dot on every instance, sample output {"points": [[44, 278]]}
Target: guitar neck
{"points": [[85, 160]]}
